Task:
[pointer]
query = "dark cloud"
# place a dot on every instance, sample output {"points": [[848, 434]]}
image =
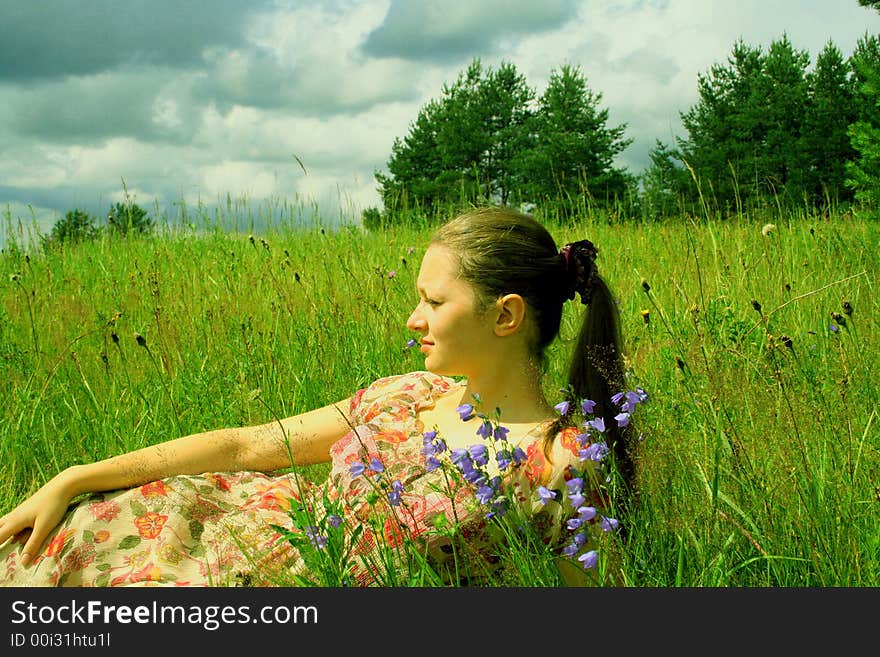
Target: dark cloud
{"points": [[448, 29], [57, 38], [138, 104]]}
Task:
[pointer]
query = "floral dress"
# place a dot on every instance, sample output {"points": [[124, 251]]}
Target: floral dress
{"points": [[233, 528]]}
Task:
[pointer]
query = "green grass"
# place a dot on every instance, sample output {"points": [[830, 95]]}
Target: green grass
{"points": [[760, 458]]}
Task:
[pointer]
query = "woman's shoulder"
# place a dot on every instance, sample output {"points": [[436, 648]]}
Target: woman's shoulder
{"points": [[410, 387]]}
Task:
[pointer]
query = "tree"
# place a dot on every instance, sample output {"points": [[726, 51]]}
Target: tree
{"points": [[574, 149], [765, 127], [783, 92], [76, 226], [825, 144], [725, 124], [485, 139], [863, 172], [129, 218], [461, 146], [666, 184]]}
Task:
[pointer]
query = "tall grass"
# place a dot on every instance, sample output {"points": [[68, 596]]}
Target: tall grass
{"points": [[759, 455]]}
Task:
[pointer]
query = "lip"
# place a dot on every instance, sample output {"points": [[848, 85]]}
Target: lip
{"points": [[426, 344]]}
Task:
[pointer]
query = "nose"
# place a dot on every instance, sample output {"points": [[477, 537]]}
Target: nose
{"points": [[416, 322]]}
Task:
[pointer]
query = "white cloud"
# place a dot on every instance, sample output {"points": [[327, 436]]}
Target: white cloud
{"points": [[299, 81]]}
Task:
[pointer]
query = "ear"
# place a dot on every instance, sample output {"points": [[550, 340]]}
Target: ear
{"points": [[511, 311]]}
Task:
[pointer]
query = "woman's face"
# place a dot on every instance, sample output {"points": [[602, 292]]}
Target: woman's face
{"points": [[454, 337]]}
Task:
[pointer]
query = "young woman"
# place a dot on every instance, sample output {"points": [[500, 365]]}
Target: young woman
{"points": [[411, 455]]}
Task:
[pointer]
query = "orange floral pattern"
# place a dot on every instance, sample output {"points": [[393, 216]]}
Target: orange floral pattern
{"points": [[214, 529]]}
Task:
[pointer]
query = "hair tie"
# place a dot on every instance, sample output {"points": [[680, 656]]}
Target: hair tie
{"points": [[579, 259]]}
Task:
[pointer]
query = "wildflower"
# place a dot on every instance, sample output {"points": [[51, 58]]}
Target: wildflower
{"points": [[484, 494], [646, 315], [411, 343], [574, 523], [574, 485], [465, 411], [833, 328], [756, 305], [500, 433], [595, 452], [598, 423], [587, 406], [563, 407], [616, 398], [609, 524], [431, 463], [622, 419], [586, 513], [334, 520], [316, 539], [394, 496], [576, 499], [503, 457], [485, 429], [459, 455], [545, 494], [410, 250], [589, 559], [645, 286], [519, 456], [357, 469], [376, 465], [429, 436], [767, 229], [570, 550], [847, 307], [479, 454], [392, 273]]}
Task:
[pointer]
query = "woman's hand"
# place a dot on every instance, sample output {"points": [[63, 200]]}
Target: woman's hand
{"points": [[42, 512]]}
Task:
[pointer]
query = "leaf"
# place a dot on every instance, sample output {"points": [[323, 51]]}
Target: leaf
{"points": [[129, 542], [137, 509], [196, 528]]}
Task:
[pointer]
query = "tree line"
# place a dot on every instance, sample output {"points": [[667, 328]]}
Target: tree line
{"points": [[77, 225], [767, 128]]}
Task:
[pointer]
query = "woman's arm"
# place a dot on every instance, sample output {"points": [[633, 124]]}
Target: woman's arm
{"points": [[306, 438]]}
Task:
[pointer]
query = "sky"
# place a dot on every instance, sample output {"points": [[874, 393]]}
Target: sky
{"points": [[185, 103]]}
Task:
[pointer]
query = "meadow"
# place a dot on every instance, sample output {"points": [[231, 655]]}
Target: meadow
{"points": [[755, 338]]}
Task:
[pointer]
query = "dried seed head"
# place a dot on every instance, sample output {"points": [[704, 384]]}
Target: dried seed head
{"points": [[296, 276], [787, 287], [645, 286], [141, 340], [646, 316], [680, 363], [785, 340], [847, 307], [837, 317], [756, 305]]}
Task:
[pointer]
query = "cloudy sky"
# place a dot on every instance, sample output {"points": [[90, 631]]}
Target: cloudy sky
{"points": [[197, 101]]}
